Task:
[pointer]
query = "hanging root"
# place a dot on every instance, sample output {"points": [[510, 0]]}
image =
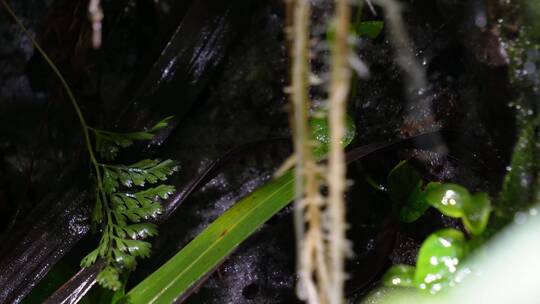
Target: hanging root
{"points": [[419, 105], [307, 181], [339, 90], [96, 17], [371, 7], [319, 221], [416, 75]]}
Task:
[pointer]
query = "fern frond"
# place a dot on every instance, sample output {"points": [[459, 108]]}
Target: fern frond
{"points": [[109, 143], [148, 170], [123, 230], [90, 258], [142, 204], [109, 278], [120, 241], [123, 205]]}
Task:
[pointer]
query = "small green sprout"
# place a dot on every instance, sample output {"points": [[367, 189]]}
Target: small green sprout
{"points": [[321, 137], [438, 261], [442, 253]]}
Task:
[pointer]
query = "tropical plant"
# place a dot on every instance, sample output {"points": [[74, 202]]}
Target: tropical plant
{"points": [[119, 215]]}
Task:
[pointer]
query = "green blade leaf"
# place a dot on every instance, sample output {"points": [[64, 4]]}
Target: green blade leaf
{"points": [[215, 243], [161, 124], [522, 183]]}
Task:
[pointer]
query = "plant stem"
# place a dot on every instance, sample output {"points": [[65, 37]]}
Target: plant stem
{"points": [[51, 64], [71, 96]]}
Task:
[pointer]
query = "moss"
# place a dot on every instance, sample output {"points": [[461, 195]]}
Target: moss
{"points": [[531, 12]]}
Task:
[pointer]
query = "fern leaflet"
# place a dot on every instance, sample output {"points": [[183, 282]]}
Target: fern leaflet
{"points": [[123, 207]]}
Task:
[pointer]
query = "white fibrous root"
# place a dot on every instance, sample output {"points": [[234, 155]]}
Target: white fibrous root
{"points": [[337, 246], [319, 221], [95, 13], [309, 201]]}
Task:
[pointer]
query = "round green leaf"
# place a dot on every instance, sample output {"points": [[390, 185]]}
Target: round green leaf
{"points": [[438, 259], [399, 275], [447, 198], [321, 136]]}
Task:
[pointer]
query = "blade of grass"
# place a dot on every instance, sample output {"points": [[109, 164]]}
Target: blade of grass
{"points": [[217, 241], [174, 279]]}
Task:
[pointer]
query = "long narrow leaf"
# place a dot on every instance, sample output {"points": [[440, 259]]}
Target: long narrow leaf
{"points": [[183, 271], [215, 243]]}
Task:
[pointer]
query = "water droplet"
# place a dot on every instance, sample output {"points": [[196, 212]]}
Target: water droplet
{"points": [[480, 20], [520, 218], [529, 68]]}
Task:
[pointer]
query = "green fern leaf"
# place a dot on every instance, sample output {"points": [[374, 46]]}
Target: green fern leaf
{"points": [[161, 191], [109, 277], [110, 180], [120, 214], [148, 170], [138, 248], [126, 260], [146, 212], [90, 258], [109, 143], [97, 213], [142, 204], [141, 231]]}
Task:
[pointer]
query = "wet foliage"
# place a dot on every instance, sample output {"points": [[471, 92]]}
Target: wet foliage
{"points": [[220, 68]]}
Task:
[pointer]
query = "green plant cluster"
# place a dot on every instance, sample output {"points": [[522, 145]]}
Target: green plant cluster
{"points": [[442, 253], [437, 266], [124, 206], [180, 274], [440, 261]]}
